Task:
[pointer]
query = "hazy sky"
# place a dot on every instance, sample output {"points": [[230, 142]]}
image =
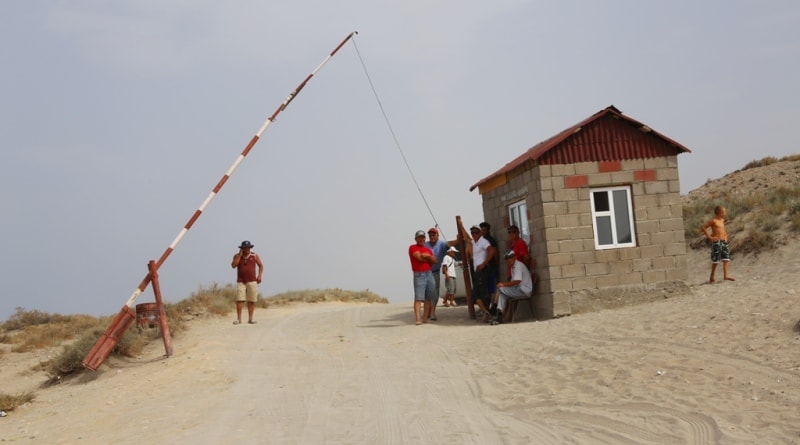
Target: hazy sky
{"points": [[118, 118]]}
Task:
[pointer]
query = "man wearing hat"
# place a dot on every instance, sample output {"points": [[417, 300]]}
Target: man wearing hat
{"points": [[424, 288], [449, 272], [481, 252], [519, 246], [439, 249], [519, 285], [248, 275]]}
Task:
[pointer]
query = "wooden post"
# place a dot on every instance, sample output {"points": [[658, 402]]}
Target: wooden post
{"points": [[162, 314], [105, 344], [466, 261]]}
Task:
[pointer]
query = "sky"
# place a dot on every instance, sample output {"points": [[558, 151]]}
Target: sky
{"points": [[118, 119]]}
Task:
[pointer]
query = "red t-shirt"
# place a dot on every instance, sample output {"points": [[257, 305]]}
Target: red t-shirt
{"points": [[246, 271], [520, 249], [416, 265]]}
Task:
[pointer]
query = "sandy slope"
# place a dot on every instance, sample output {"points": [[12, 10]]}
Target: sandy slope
{"points": [[720, 365]]}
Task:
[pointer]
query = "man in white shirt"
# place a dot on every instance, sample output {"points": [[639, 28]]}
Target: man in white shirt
{"points": [[449, 272], [482, 253], [519, 285]]}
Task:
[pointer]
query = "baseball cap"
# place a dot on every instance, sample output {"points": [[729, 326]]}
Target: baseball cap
{"points": [[419, 233], [509, 254], [433, 230], [452, 249]]}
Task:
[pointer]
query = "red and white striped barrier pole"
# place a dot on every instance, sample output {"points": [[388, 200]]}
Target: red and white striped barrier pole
{"points": [[215, 191], [103, 347]]}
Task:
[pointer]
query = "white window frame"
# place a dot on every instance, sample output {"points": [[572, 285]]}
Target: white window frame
{"points": [[613, 220], [518, 216]]}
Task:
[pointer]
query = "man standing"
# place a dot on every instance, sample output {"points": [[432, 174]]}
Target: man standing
{"points": [[449, 271], [494, 258], [519, 285], [424, 287], [248, 276], [439, 249], [481, 252]]}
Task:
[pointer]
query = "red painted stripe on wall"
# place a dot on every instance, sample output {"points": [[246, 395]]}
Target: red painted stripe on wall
{"points": [[644, 175], [576, 181]]}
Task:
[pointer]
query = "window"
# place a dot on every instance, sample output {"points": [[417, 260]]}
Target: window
{"points": [[518, 215], [612, 214]]}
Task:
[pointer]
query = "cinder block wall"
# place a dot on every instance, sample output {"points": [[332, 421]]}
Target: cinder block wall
{"points": [[560, 218]]}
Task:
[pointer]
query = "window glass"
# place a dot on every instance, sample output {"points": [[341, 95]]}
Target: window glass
{"points": [[518, 215], [613, 217]]}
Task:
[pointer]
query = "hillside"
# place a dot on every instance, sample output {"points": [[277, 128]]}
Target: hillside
{"points": [[763, 203]]}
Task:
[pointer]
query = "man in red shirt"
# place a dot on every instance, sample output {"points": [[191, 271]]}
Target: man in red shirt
{"points": [[424, 287], [248, 276], [519, 246]]}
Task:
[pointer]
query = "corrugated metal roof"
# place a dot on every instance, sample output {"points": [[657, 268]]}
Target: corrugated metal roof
{"points": [[608, 135]]}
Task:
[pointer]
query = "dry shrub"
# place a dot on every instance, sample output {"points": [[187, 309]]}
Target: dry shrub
{"points": [[754, 242], [214, 300], [325, 295], [8, 402], [794, 223], [760, 163], [130, 344], [40, 336], [23, 318]]}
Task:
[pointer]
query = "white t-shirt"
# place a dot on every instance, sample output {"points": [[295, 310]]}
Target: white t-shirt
{"points": [[479, 251], [520, 272], [451, 266]]}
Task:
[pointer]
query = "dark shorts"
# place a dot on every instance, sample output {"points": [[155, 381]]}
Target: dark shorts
{"points": [[719, 252], [480, 286]]}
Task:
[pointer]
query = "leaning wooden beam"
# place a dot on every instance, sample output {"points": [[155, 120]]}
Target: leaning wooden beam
{"points": [[466, 264]]}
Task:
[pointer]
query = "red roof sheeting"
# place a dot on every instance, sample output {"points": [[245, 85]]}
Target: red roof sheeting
{"points": [[608, 135]]}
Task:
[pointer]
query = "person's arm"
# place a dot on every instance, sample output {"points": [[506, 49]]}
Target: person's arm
{"points": [[490, 252], [511, 283], [706, 226], [260, 268], [236, 258], [424, 257], [432, 258], [516, 279]]}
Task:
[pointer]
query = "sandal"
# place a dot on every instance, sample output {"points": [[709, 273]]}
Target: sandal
{"points": [[251, 322], [237, 322]]}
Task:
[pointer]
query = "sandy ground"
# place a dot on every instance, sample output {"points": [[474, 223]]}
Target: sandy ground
{"points": [[719, 365]]}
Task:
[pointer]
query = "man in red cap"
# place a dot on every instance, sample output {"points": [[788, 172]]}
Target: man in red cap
{"points": [[439, 249]]}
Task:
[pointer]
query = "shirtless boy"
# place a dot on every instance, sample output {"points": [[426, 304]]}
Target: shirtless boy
{"points": [[719, 243]]}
